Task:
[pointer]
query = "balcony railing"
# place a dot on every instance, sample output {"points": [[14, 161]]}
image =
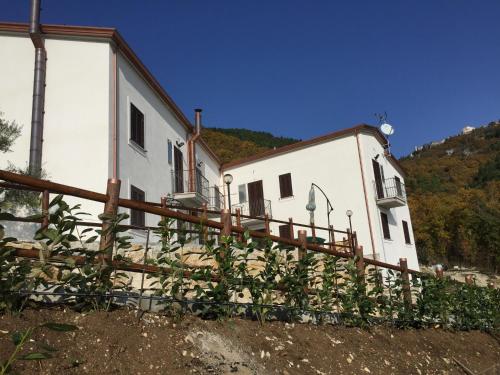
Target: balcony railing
{"points": [[216, 199], [180, 183], [256, 208], [391, 192]]}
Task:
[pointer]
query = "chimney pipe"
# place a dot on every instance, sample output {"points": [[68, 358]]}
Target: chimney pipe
{"points": [[192, 149], [197, 121], [37, 109]]}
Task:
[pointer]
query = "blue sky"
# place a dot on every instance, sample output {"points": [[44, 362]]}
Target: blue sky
{"points": [[305, 68]]}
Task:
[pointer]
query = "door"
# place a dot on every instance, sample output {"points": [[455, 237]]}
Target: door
{"points": [[178, 171], [256, 198], [378, 179]]}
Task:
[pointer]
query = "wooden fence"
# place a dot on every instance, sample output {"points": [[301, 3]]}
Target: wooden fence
{"points": [[111, 201]]}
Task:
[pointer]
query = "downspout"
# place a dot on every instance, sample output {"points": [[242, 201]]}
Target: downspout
{"points": [[37, 109], [114, 114], [191, 143], [364, 192]]}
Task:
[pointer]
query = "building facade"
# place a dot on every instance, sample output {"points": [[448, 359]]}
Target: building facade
{"points": [[353, 169], [107, 117]]}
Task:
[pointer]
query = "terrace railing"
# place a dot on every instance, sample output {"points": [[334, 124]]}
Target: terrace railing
{"points": [[257, 208], [180, 183]]}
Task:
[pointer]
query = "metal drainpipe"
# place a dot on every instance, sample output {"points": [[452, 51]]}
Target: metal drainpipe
{"points": [[114, 114], [192, 149], [364, 191], [37, 110]]}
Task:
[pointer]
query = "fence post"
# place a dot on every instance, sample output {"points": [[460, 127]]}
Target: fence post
{"points": [[355, 239], [469, 279], [332, 244], [204, 218], [110, 210], [360, 262], [266, 222], [225, 219], [238, 224], [45, 209], [439, 271], [303, 243], [349, 239], [405, 276], [290, 227], [163, 201]]}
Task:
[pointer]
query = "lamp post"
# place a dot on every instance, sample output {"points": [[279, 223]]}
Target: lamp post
{"points": [[228, 178], [311, 206], [349, 214]]}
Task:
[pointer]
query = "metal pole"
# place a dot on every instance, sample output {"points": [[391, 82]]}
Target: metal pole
{"points": [[328, 215], [143, 272], [229, 196], [350, 223]]}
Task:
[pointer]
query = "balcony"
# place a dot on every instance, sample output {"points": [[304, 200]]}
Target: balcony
{"points": [[390, 193], [257, 209], [215, 201], [194, 196]]}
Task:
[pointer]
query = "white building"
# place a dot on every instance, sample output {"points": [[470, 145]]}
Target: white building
{"points": [[356, 173], [106, 116]]}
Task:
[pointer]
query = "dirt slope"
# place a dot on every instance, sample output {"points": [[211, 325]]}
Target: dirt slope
{"points": [[116, 343]]}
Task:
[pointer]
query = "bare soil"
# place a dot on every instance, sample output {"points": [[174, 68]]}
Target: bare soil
{"points": [[118, 343]]}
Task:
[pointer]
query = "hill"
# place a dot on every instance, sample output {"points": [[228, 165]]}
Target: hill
{"points": [[233, 144], [454, 197]]}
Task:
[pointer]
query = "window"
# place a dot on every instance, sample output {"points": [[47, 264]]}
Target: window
{"points": [[242, 193], [385, 226], [136, 125], [137, 217], [169, 150], [286, 185], [406, 232], [285, 231]]}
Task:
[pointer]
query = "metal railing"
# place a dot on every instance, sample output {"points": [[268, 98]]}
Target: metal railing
{"points": [[180, 183], [216, 199], [391, 188], [256, 208]]}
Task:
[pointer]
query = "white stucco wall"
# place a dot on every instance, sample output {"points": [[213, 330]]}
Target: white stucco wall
{"points": [[330, 165], [389, 250], [149, 170], [335, 167], [75, 147]]}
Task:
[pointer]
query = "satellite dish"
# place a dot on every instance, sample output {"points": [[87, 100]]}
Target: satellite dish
{"points": [[387, 129]]}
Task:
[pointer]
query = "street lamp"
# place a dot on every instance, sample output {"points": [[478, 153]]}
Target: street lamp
{"points": [[349, 214], [228, 178]]}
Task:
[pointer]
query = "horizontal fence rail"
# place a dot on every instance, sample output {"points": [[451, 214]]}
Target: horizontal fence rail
{"points": [[228, 265]]}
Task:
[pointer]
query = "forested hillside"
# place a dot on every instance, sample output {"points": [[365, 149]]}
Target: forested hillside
{"points": [[453, 187], [454, 197], [232, 144]]}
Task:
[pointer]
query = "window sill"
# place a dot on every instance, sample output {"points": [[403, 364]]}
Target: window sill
{"points": [[291, 197], [137, 147], [388, 240]]}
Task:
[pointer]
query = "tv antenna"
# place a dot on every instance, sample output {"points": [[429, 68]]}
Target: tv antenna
{"points": [[385, 127]]}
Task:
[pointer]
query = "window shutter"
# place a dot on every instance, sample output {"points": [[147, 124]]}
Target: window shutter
{"points": [[406, 232], [137, 217], [286, 185], [385, 226], [285, 231]]}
